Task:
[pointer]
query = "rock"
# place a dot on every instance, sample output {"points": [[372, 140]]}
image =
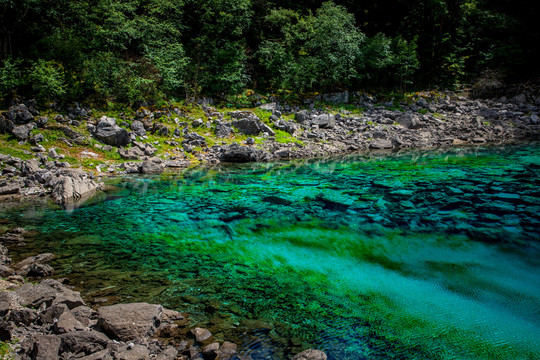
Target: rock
{"points": [[42, 347], [22, 316], [138, 128], [40, 270], [85, 341], [10, 189], [73, 185], [302, 116], [20, 114], [381, 144], [5, 331], [134, 153], [194, 139], [410, 121], [324, 121], [42, 121], [170, 353], [223, 130], [248, 126], [49, 292], [160, 129], [286, 126], [201, 335], [100, 355], [226, 351], [310, 354], [128, 322], [67, 323], [29, 167], [24, 267], [52, 154], [236, 153], [37, 139], [111, 134], [137, 352], [6, 125], [250, 141], [6, 271], [152, 166], [210, 351], [22, 132], [196, 123]]}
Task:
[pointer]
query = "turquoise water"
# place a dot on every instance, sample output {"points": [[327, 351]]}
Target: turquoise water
{"points": [[417, 255]]}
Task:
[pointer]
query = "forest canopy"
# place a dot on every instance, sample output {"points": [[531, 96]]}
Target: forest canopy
{"points": [[131, 50]]}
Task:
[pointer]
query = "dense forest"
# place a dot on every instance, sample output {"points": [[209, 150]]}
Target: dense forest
{"points": [[131, 50]]}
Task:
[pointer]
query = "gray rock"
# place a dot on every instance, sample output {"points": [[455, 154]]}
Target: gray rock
{"points": [[210, 351], [72, 185], [310, 354], [201, 335], [325, 121], [41, 121], [50, 292], [6, 125], [337, 98], [86, 341], [29, 167], [101, 355], [67, 323], [20, 114], [223, 130], [152, 166], [42, 347], [21, 132], [111, 134], [248, 126], [40, 270], [133, 153], [128, 322], [286, 126], [242, 154], [410, 121], [138, 128], [170, 353], [381, 144], [22, 316], [10, 189], [137, 352], [196, 123], [302, 116], [250, 141], [226, 350], [52, 154]]}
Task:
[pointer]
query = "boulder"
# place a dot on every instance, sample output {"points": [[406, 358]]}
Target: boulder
{"points": [[302, 116], [49, 292], [29, 167], [410, 121], [41, 347], [223, 130], [22, 132], [20, 114], [86, 341], [111, 134], [138, 128], [133, 153], [325, 121], [248, 126], [136, 352], [236, 153], [381, 144], [310, 354], [128, 322], [286, 126], [73, 185], [6, 125], [67, 323], [201, 335], [152, 166]]}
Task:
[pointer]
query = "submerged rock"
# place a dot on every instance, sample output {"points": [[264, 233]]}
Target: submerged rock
{"points": [[311, 354], [128, 322]]}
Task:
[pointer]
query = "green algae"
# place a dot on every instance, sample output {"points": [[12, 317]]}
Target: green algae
{"points": [[427, 255]]}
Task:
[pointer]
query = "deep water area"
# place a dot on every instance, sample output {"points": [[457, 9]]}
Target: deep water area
{"points": [[412, 255]]}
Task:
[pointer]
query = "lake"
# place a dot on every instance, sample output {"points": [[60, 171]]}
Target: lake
{"points": [[410, 255]]}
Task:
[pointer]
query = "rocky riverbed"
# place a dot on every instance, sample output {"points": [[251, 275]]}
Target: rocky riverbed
{"points": [[46, 319], [428, 120]]}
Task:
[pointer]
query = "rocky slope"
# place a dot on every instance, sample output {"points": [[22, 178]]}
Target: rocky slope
{"points": [[148, 141]]}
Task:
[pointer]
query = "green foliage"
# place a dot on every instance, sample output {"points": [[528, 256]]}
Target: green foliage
{"points": [[47, 79], [10, 76]]}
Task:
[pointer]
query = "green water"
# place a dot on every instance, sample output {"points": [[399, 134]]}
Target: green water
{"points": [[418, 255]]}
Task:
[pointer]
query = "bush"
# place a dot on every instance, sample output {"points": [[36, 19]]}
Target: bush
{"points": [[47, 79]]}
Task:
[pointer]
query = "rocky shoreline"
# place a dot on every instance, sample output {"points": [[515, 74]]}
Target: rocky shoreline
{"points": [[429, 120], [48, 320]]}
